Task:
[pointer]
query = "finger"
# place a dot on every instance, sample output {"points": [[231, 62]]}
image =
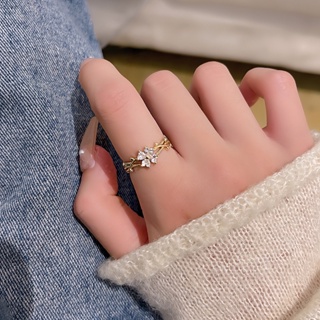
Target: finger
{"points": [[177, 113], [285, 116], [118, 228], [223, 103], [119, 108], [248, 94]]}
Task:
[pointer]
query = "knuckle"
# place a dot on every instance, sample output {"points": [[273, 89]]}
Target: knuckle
{"points": [[212, 68], [113, 100], [282, 79], [160, 80], [82, 207], [87, 67]]}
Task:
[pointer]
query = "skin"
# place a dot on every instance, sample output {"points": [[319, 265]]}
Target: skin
{"points": [[219, 149]]}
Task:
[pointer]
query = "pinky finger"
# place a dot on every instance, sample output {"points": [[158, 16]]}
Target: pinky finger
{"points": [[286, 122]]}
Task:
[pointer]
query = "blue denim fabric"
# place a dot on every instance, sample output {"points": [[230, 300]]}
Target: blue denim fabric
{"points": [[48, 260]]}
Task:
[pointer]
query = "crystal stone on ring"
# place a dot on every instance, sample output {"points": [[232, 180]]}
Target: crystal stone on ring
{"points": [[147, 156]]}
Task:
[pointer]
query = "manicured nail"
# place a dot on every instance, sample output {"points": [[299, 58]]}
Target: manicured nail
{"points": [[87, 146]]}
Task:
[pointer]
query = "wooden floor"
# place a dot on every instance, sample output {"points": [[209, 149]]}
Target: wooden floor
{"points": [[136, 65]]}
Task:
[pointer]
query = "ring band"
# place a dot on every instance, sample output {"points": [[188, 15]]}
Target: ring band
{"points": [[148, 156]]}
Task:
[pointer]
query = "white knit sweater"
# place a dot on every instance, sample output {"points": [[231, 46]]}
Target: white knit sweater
{"points": [[256, 256]]}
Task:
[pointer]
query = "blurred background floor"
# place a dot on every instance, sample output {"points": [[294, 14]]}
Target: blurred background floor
{"points": [[137, 64]]}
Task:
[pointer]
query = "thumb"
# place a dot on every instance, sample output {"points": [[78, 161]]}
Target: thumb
{"points": [[112, 222]]}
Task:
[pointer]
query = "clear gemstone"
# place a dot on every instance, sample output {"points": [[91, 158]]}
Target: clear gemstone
{"points": [[146, 163], [147, 156], [148, 150], [141, 155]]}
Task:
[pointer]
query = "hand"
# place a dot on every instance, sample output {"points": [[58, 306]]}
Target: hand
{"points": [[219, 149]]}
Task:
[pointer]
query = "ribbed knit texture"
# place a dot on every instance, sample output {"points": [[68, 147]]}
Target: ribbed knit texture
{"points": [[256, 256]]}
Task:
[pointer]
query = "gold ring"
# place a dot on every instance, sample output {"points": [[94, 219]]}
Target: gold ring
{"points": [[148, 156]]}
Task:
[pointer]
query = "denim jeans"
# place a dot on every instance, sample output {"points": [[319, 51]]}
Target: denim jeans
{"points": [[48, 260]]}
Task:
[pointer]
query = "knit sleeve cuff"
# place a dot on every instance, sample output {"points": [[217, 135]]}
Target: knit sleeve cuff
{"points": [[205, 231]]}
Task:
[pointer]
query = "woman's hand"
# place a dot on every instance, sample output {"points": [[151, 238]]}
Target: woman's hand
{"points": [[218, 150]]}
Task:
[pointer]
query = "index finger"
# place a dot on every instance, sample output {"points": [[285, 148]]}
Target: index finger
{"points": [[118, 107]]}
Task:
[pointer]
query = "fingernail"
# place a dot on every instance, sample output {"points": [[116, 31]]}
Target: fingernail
{"points": [[87, 146]]}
